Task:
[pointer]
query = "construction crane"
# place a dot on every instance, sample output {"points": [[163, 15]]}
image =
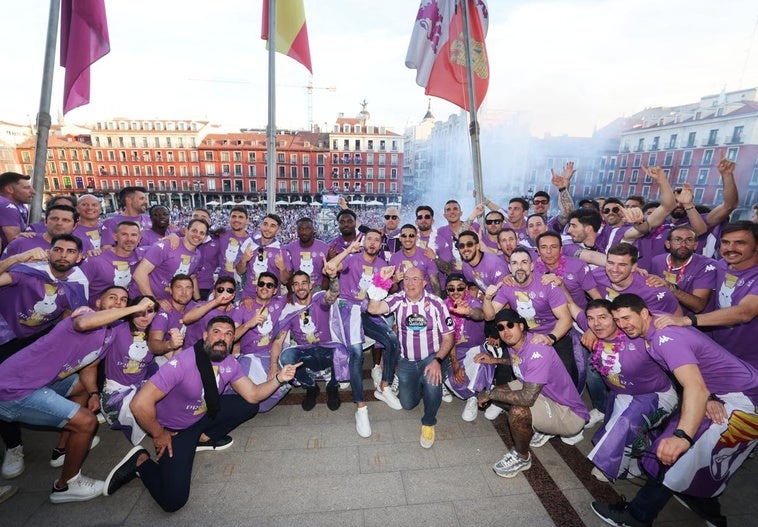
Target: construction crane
{"points": [[309, 92]]}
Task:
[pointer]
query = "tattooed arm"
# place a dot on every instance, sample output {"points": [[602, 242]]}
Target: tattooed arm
{"points": [[526, 396]]}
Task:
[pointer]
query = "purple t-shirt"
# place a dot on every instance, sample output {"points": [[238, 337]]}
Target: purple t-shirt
{"points": [[310, 325], [209, 252], [195, 330], [12, 215], [148, 236], [169, 262], [127, 357], [471, 333], [420, 325], [534, 302], [698, 273], [108, 228], [659, 299], [632, 370], [258, 340], [609, 236], [722, 372], [731, 287], [264, 260], [107, 269], [308, 259], [491, 244], [46, 360], [539, 364], [573, 271], [490, 270], [357, 275], [709, 242], [22, 244], [179, 379], [230, 249], [400, 261], [650, 246], [89, 235], [165, 321]]}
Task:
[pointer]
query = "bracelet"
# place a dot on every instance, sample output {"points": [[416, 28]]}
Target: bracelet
{"points": [[693, 319], [552, 337], [687, 209], [276, 376], [683, 435], [94, 393], [439, 360], [561, 189]]}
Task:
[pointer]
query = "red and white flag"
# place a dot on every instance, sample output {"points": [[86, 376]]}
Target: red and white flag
{"points": [[437, 53], [291, 31], [84, 39]]}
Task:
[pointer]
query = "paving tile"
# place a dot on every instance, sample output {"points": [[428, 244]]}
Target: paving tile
{"points": [[394, 457], [432, 515], [354, 518], [555, 465], [509, 510], [440, 484], [469, 450]]}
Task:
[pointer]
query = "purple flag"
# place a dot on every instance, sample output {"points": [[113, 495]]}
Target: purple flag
{"points": [[84, 39]]}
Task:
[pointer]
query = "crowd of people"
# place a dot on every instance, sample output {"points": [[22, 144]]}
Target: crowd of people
{"points": [[181, 325]]}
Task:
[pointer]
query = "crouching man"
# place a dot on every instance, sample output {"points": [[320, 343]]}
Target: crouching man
{"points": [[181, 402]]}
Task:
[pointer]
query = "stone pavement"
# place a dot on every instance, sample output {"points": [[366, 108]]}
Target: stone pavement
{"points": [[290, 467]]}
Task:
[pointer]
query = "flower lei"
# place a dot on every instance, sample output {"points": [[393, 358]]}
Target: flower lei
{"points": [[603, 365], [541, 268], [457, 319]]}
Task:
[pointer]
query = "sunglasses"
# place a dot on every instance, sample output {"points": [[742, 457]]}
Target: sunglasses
{"points": [[269, 285], [306, 317], [260, 254], [423, 216], [614, 210], [407, 235], [540, 202], [464, 245], [220, 290], [459, 289], [509, 325], [391, 217], [491, 222]]}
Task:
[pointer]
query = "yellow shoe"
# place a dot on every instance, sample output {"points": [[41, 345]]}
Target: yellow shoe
{"points": [[427, 436]]}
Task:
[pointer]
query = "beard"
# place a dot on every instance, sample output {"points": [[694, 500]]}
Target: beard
{"points": [[216, 354], [61, 266], [521, 277]]}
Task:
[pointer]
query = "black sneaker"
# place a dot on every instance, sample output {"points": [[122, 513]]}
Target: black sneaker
{"points": [[310, 398], [333, 397], [219, 444], [617, 514], [124, 472]]}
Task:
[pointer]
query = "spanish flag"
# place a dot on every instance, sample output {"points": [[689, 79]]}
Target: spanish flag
{"points": [[291, 32]]}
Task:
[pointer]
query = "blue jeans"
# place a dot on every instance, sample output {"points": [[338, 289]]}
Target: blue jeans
{"points": [[46, 406], [413, 383], [356, 371], [378, 329], [315, 359]]}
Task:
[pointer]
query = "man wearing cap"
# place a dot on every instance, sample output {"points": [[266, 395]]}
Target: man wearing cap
{"points": [[542, 402]]}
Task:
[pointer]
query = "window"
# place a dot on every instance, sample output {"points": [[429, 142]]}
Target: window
{"points": [[637, 161], [209, 156], [672, 141], [712, 137], [251, 171], [754, 178], [645, 192], [668, 159], [225, 169], [731, 154], [683, 172], [382, 174], [253, 186], [346, 144], [293, 159], [357, 141], [737, 134], [632, 190], [382, 159], [294, 186], [622, 175], [306, 172], [652, 160], [641, 144], [225, 156], [393, 173], [282, 187], [238, 170], [618, 190], [687, 158], [393, 159], [691, 139], [251, 157], [656, 141], [293, 172], [320, 159], [370, 173], [698, 196], [702, 177], [282, 172], [382, 145], [238, 185], [707, 157]]}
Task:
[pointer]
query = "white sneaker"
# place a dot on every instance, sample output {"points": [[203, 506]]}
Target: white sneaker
{"points": [[395, 386], [59, 456], [596, 416], [376, 376], [344, 386], [572, 440], [539, 439], [470, 410], [79, 488], [7, 492], [598, 474], [388, 397], [492, 412], [13, 463], [446, 395], [362, 424]]}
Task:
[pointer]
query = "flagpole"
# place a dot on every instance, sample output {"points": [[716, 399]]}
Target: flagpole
{"points": [[476, 155], [43, 116], [271, 128]]}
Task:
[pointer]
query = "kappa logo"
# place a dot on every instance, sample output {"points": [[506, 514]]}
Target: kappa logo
{"points": [[710, 267], [498, 273], [660, 295], [663, 339], [536, 355], [173, 363]]}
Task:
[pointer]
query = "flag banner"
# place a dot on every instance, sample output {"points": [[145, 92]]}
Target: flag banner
{"points": [[437, 51], [84, 40], [291, 31]]}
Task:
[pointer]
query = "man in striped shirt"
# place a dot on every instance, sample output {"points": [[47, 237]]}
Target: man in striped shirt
{"points": [[426, 336]]}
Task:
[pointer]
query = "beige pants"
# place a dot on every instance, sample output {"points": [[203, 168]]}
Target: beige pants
{"points": [[549, 417]]}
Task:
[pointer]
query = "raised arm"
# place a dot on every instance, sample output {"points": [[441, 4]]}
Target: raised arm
{"points": [[730, 195]]}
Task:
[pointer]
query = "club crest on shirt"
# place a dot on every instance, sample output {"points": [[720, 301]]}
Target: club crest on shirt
{"points": [[416, 322]]}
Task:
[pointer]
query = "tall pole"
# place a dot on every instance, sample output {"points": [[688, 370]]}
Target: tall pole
{"points": [[271, 128], [43, 116], [476, 155]]}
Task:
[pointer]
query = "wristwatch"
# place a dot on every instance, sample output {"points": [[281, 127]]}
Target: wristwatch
{"points": [[439, 360], [682, 434]]}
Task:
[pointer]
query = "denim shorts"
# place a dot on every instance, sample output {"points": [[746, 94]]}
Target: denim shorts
{"points": [[46, 406]]}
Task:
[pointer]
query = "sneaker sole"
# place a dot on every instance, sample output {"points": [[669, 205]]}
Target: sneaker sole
{"points": [[60, 497], [513, 474], [380, 396], [12, 475], [112, 473], [606, 520], [541, 443], [209, 448]]}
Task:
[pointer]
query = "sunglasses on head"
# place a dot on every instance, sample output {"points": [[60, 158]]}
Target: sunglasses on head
{"points": [[391, 216], [614, 210], [453, 289], [407, 235], [220, 290], [269, 285], [491, 222], [423, 216], [464, 245], [509, 325], [260, 254]]}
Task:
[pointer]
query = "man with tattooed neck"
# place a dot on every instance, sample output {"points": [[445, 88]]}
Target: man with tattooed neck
{"points": [[541, 402]]}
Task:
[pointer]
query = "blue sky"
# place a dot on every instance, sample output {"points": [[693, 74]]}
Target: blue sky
{"points": [[567, 65]]}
